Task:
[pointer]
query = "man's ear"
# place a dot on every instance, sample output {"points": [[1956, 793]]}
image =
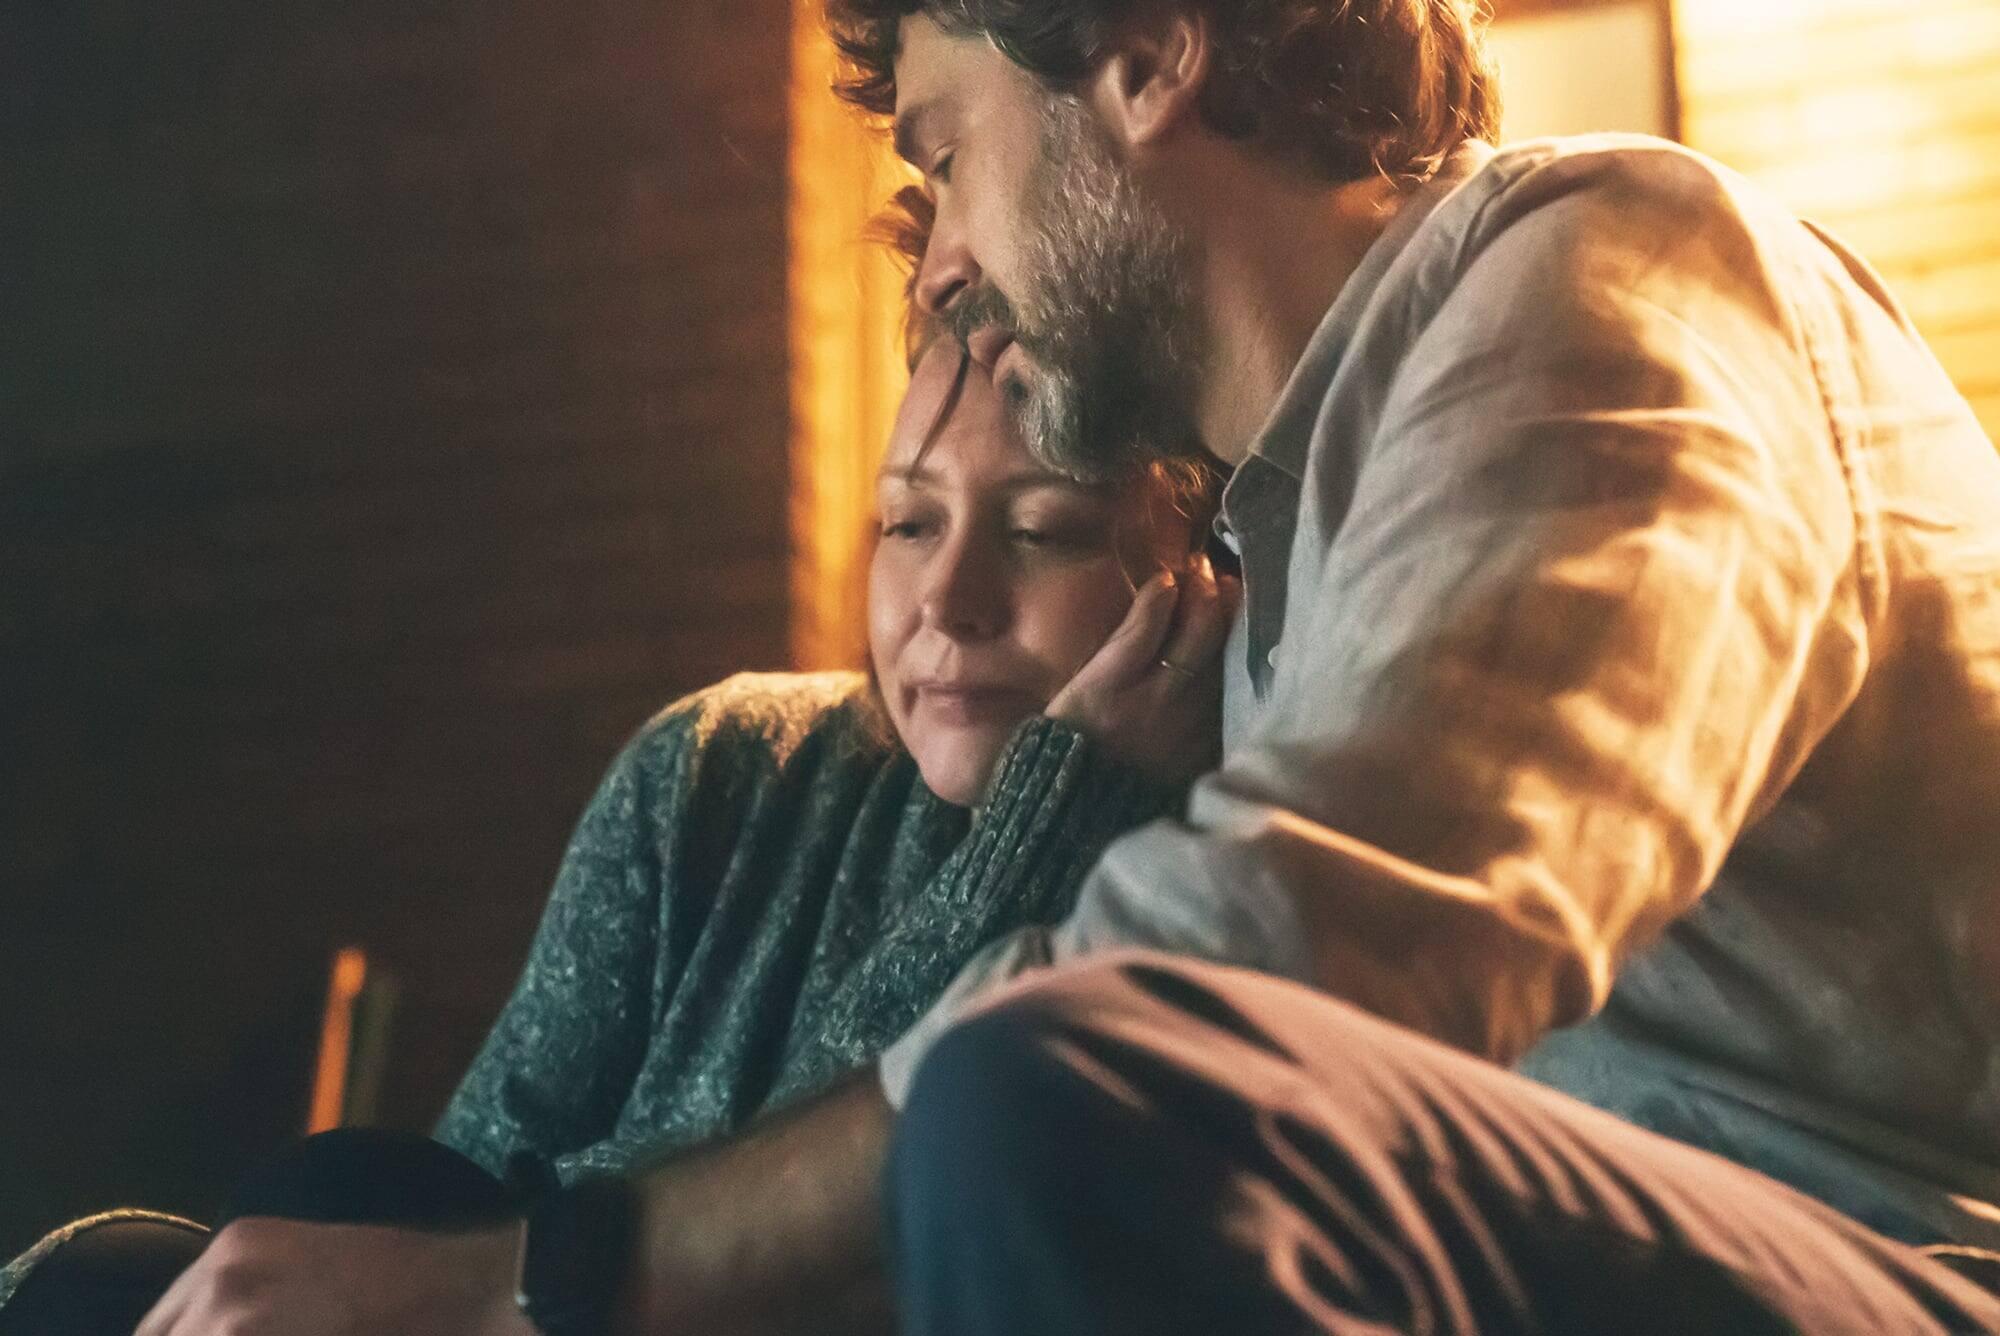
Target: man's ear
{"points": [[1150, 86]]}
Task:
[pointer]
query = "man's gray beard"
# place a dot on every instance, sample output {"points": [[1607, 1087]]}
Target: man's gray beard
{"points": [[1106, 311]]}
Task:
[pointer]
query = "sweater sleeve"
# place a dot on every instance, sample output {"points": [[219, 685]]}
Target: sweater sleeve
{"points": [[1055, 801], [554, 1071]]}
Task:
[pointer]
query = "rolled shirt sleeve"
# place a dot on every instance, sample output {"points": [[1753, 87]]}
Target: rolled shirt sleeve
{"points": [[1567, 611]]}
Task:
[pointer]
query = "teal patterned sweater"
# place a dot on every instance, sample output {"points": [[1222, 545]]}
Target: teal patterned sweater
{"points": [[761, 896]]}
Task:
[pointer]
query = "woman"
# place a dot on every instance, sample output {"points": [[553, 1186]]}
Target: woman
{"points": [[781, 872]]}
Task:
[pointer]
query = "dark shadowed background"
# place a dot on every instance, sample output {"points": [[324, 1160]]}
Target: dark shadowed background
{"points": [[392, 417]]}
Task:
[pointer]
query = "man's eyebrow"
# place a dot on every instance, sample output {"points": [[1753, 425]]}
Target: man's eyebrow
{"points": [[909, 132]]}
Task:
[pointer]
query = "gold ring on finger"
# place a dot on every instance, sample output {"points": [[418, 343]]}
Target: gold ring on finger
{"points": [[1185, 674]]}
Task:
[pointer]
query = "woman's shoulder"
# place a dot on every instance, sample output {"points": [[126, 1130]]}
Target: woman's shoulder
{"points": [[770, 717]]}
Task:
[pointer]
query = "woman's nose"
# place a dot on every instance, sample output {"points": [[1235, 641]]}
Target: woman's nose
{"points": [[965, 594]]}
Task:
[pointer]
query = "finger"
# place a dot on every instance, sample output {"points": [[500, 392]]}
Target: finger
{"points": [[1202, 626]]}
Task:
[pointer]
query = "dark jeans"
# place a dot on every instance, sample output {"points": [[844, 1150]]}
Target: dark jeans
{"points": [[103, 1281], [1147, 1145]]}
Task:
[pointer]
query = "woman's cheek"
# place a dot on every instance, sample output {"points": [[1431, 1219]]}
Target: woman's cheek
{"points": [[889, 625], [1084, 616]]}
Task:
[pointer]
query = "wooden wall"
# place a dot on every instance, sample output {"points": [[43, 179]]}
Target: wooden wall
{"points": [[392, 416], [1879, 119], [846, 348], [1581, 68]]}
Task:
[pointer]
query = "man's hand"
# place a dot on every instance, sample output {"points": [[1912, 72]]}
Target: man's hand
{"points": [[775, 1231], [269, 1277], [1152, 695]]}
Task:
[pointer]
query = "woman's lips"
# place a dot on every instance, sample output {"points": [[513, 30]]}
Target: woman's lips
{"points": [[975, 704]]}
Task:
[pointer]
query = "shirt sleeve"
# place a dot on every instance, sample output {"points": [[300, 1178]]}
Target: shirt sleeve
{"points": [[554, 1071], [1592, 599]]}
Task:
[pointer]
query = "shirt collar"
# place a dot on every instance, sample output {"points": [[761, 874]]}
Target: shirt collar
{"points": [[1287, 432]]}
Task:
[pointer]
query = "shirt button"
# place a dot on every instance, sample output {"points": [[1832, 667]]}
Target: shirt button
{"points": [[1271, 656]]}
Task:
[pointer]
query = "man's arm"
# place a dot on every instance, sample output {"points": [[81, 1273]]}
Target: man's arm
{"points": [[775, 1232]]}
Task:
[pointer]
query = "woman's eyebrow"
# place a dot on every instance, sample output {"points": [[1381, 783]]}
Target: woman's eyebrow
{"points": [[1029, 479], [911, 475], [920, 474]]}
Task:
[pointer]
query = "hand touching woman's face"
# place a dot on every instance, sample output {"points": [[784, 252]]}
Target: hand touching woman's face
{"points": [[993, 579]]}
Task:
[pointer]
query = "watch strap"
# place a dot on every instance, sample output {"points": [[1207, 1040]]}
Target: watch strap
{"points": [[574, 1253]]}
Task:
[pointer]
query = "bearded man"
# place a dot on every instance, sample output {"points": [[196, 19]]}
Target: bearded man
{"points": [[1616, 700]]}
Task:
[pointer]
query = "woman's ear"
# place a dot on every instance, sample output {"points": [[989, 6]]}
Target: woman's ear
{"points": [[1151, 83], [1155, 532]]}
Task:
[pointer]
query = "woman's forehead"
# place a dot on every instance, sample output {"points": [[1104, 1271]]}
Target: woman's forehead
{"points": [[950, 407]]}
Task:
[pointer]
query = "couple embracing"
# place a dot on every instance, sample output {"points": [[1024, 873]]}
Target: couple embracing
{"points": [[1589, 917]]}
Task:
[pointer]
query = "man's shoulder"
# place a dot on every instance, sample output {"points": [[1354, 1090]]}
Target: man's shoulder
{"points": [[1559, 234], [1637, 181], [1607, 151]]}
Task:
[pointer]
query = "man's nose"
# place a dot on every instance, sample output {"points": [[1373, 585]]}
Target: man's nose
{"points": [[946, 273]]}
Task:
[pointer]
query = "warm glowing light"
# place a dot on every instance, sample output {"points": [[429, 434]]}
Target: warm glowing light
{"points": [[1745, 16], [845, 344], [1880, 120], [336, 1040]]}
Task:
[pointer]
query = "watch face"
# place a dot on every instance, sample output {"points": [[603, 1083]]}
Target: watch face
{"points": [[575, 1251]]}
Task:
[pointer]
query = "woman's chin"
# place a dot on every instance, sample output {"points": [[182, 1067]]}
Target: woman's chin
{"points": [[959, 771]]}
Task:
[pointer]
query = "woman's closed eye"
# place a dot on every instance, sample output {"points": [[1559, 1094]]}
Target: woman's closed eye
{"points": [[1044, 538], [1063, 529], [908, 529]]}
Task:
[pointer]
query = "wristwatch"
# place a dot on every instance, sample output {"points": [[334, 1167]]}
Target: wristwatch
{"points": [[575, 1254]]}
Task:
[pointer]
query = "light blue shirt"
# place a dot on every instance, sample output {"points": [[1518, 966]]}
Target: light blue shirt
{"points": [[1620, 652]]}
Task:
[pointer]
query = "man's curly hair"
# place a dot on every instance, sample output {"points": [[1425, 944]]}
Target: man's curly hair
{"points": [[1344, 88]]}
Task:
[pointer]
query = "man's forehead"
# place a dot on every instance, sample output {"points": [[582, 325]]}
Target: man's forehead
{"points": [[932, 63], [921, 48]]}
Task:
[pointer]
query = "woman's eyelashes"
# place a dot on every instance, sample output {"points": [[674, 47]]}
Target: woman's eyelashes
{"points": [[1056, 522], [1032, 533], [1053, 536], [912, 514]]}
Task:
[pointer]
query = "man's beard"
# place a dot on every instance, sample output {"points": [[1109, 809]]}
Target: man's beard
{"points": [[1105, 312]]}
